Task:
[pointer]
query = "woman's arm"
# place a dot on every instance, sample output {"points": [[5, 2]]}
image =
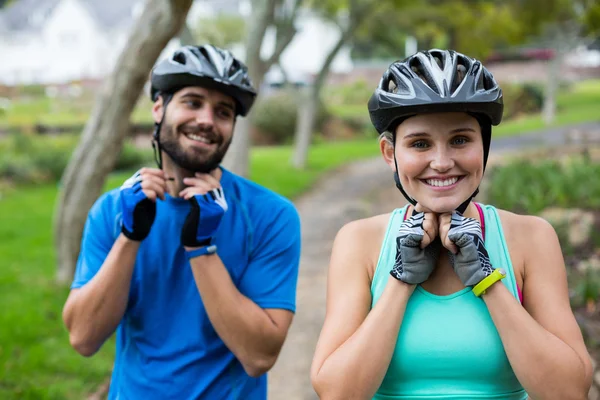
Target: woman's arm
{"points": [[356, 343], [542, 340]]}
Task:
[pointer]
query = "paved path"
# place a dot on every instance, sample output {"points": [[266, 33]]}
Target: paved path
{"points": [[358, 190]]}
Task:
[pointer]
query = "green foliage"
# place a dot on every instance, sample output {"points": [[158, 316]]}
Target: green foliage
{"points": [[528, 186], [591, 17], [474, 27], [522, 99], [275, 116], [36, 158], [222, 31]]}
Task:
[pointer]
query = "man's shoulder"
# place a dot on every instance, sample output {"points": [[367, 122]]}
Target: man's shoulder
{"points": [[106, 209], [259, 198]]}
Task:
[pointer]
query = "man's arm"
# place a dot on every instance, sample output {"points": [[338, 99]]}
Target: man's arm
{"points": [[100, 292], [93, 312], [253, 317], [253, 334]]}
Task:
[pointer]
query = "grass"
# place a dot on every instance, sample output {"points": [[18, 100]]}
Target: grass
{"points": [[26, 113], [580, 104], [36, 361]]}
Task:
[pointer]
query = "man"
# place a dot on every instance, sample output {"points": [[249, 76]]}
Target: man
{"points": [[193, 266]]}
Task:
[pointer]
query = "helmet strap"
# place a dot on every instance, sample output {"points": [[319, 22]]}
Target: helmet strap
{"points": [[399, 185], [156, 133], [461, 208]]}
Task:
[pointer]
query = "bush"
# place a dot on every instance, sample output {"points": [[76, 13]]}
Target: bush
{"points": [[522, 99], [527, 186], [275, 117], [37, 158], [355, 93]]}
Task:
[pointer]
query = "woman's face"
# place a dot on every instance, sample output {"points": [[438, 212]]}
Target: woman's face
{"points": [[439, 157]]}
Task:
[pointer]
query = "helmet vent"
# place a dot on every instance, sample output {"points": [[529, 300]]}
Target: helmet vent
{"points": [[392, 87], [439, 58], [179, 57], [461, 72], [204, 53], [233, 68], [416, 65], [488, 80]]}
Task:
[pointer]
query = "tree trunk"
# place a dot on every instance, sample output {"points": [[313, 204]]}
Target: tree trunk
{"points": [[105, 131], [308, 107], [552, 82], [237, 158], [305, 122]]}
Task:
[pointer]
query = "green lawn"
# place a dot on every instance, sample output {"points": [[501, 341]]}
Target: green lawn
{"points": [[580, 104], [36, 361]]}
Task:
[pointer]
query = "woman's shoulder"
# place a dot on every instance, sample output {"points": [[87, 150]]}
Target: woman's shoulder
{"points": [[523, 225], [528, 233], [364, 228], [361, 241]]}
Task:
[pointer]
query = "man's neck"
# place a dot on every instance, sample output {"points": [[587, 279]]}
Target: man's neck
{"points": [[175, 175]]}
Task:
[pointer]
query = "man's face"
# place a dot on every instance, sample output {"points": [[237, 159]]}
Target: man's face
{"points": [[197, 128]]}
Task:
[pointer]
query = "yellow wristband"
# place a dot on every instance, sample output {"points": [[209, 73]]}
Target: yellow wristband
{"points": [[488, 281]]}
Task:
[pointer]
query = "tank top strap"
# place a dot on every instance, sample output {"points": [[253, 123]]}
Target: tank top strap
{"points": [[495, 242], [387, 254]]}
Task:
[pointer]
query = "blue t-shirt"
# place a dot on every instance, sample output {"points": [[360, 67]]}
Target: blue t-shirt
{"points": [[167, 347]]}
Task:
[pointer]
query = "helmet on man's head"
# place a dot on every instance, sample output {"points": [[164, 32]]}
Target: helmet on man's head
{"points": [[435, 81], [207, 66]]}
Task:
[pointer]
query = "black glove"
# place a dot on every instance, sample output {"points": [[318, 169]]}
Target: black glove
{"points": [[139, 211]]}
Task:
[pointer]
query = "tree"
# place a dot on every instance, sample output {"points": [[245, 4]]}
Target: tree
{"points": [[559, 25], [108, 125], [357, 12], [222, 31], [279, 15]]}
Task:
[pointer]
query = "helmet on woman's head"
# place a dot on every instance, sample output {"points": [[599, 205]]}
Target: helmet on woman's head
{"points": [[206, 66], [437, 81]]}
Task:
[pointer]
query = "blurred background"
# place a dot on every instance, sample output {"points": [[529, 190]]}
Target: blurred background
{"points": [[75, 121]]}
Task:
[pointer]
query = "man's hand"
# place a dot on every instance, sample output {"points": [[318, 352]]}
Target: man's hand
{"points": [[468, 255], [416, 248], [208, 207], [138, 196]]}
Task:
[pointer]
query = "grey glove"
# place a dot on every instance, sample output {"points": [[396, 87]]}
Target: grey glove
{"points": [[472, 263], [413, 264]]}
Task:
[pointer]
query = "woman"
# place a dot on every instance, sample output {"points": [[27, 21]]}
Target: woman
{"points": [[446, 298]]}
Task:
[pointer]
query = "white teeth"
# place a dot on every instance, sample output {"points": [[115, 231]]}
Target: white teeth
{"points": [[198, 138], [442, 183]]}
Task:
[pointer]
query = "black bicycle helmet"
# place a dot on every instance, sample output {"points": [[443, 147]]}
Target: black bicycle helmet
{"points": [[207, 66], [437, 81]]}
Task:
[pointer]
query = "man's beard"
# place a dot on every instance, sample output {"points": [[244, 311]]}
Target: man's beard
{"points": [[192, 160]]}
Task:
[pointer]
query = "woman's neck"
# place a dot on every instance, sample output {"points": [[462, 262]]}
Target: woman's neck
{"points": [[470, 212]]}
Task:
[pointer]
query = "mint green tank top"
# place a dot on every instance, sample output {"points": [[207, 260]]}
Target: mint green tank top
{"points": [[448, 346]]}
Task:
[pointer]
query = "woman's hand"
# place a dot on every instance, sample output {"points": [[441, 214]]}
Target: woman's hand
{"points": [[464, 239], [416, 247]]}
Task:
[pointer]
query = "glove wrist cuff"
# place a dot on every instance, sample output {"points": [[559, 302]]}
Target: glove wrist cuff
{"points": [[135, 236]]}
